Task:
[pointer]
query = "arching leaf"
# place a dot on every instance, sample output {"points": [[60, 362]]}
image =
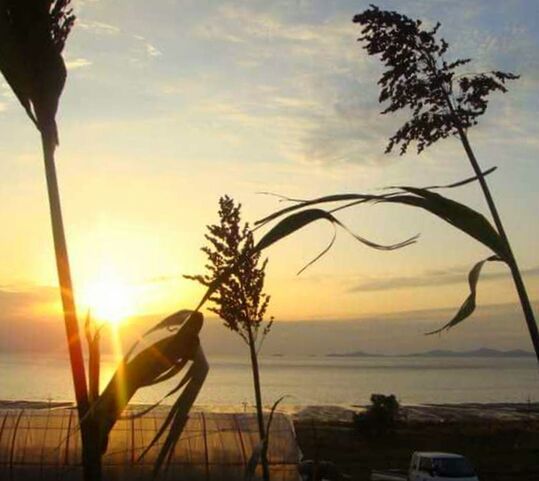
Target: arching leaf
{"points": [[459, 215], [468, 307], [298, 220], [301, 204], [155, 363]]}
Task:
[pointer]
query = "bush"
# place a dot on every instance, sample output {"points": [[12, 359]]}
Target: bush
{"points": [[380, 418]]}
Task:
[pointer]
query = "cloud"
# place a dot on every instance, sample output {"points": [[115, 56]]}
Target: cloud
{"points": [[455, 275], [77, 63], [152, 51], [329, 83], [318, 102], [497, 326], [23, 313], [101, 28], [17, 302]]}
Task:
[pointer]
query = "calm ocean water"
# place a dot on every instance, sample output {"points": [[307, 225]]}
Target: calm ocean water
{"points": [[312, 380]]}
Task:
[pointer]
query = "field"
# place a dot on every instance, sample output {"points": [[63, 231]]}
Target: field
{"points": [[501, 441]]}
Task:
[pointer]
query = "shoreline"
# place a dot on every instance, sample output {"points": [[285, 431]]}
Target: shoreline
{"points": [[343, 414], [481, 432]]}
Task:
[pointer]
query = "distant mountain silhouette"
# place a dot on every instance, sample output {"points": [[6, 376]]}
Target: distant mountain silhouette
{"points": [[356, 354], [481, 352]]}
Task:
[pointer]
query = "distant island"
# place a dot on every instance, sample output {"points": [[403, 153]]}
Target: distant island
{"points": [[482, 352]]}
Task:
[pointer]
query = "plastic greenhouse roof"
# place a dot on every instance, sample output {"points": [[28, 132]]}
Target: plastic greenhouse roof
{"points": [[35, 444]]}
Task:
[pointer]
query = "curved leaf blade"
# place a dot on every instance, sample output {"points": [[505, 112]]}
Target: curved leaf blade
{"points": [[458, 215], [468, 306], [298, 220], [179, 412], [459, 183], [301, 204], [291, 224], [151, 365]]}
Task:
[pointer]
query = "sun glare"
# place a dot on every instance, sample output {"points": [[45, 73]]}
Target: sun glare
{"points": [[109, 301]]}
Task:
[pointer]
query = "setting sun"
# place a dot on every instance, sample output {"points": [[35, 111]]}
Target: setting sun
{"points": [[109, 300]]}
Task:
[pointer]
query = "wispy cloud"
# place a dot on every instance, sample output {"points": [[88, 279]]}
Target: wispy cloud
{"points": [[77, 63], [433, 278], [17, 302], [340, 122], [99, 27], [497, 325], [152, 51], [317, 96]]}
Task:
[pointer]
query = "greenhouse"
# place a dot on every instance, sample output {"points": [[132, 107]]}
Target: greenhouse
{"points": [[44, 444]]}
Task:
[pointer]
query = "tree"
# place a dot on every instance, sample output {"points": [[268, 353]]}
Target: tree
{"points": [[239, 298]]}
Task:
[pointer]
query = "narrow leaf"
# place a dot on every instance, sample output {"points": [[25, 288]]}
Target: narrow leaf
{"points": [[468, 307], [460, 183], [319, 256], [459, 215], [170, 322], [469, 180], [261, 447], [298, 220], [291, 224], [320, 200], [151, 364], [198, 372]]}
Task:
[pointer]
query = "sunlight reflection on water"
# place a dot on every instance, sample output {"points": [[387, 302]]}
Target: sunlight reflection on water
{"points": [[312, 380]]}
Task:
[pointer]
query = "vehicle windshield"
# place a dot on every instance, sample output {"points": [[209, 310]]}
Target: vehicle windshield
{"points": [[453, 467]]}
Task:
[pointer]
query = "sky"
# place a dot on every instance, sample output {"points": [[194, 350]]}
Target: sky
{"points": [[171, 104]]}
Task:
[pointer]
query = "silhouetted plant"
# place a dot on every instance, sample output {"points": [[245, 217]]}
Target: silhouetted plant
{"points": [[441, 103], [177, 350], [239, 300], [419, 79], [32, 37], [380, 418], [93, 339]]}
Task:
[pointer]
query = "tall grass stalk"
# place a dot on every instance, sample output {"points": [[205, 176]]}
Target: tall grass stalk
{"points": [[443, 102], [236, 281], [32, 38], [520, 287], [64, 275]]}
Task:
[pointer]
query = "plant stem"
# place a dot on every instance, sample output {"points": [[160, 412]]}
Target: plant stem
{"points": [[64, 276], [511, 261], [94, 368], [91, 454], [258, 398], [91, 458]]}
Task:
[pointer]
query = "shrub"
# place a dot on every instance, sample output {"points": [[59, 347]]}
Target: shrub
{"points": [[380, 418]]}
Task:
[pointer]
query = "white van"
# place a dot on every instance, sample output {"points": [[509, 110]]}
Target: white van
{"points": [[427, 466]]}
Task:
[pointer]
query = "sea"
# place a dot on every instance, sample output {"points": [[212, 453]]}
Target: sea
{"points": [[316, 380]]}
